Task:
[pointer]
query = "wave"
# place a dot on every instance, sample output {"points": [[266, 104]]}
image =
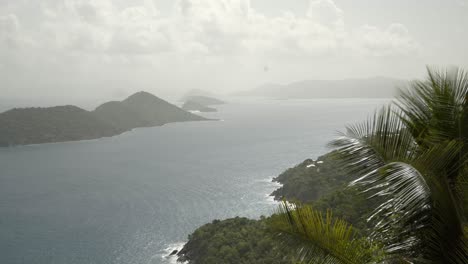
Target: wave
{"points": [[271, 187], [269, 181], [270, 199], [165, 255]]}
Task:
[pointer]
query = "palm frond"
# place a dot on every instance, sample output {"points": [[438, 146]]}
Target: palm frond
{"points": [[418, 206], [366, 147], [413, 158], [321, 238], [410, 181], [434, 109], [405, 208]]}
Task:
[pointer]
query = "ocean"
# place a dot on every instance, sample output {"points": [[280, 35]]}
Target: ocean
{"points": [[136, 197]]}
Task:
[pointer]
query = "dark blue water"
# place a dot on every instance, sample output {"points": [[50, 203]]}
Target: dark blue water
{"points": [[134, 197]]}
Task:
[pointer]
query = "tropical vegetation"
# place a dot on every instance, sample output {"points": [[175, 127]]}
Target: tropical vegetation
{"points": [[323, 185], [238, 241], [241, 240], [411, 159]]}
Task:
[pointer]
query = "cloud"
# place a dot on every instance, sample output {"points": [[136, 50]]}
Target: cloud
{"points": [[462, 3], [138, 31], [325, 12], [394, 40], [208, 28], [84, 38], [9, 31], [234, 27]]}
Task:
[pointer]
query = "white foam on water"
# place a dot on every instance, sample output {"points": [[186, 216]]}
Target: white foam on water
{"points": [[270, 181], [271, 199], [272, 186], [165, 256]]}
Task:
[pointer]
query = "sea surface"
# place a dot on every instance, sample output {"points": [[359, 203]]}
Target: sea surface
{"points": [[134, 198]]}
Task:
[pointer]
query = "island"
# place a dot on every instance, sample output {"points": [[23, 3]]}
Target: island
{"points": [[36, 125], [204, 100], [200, 103], [194, 106]]}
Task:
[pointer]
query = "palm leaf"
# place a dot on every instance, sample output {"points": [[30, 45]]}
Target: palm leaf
{"points": [[413, 159], [366, 147], [436, 111], [320, 238], [410, 181]]}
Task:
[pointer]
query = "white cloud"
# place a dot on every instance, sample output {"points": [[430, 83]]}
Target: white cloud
{"points": [[462, 3], [325, 12], [394, 40], [209, 28], [233, 27], [138, 31], [9, 31], [90, 37]]}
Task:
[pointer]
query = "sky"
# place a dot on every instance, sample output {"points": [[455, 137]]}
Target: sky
{"points": [[78, 49]]}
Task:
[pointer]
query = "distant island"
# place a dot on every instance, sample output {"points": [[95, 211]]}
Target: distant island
{"points": [[24, 126], [200, 103], [194, 106], [377, 87], [204, 100]]}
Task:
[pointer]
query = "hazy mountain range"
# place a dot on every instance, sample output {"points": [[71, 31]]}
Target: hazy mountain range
{"points": [[377, 87], [21, 126]]}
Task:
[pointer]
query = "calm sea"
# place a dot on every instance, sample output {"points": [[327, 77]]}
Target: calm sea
{"points": [[135, 197]]}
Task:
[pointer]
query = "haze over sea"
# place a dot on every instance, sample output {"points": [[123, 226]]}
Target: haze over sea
{"points": [[133, 198]]}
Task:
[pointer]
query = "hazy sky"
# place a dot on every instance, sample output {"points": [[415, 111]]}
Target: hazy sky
{"points": [[104, 48]]}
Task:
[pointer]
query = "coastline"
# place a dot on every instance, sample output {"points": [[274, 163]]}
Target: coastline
{"points": [[99, 138], [166, 256], [269, 198]]}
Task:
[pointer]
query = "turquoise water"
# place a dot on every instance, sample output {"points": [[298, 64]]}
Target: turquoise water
{"points": [[135, 197]]}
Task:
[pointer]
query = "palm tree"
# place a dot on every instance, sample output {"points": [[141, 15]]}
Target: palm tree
{"points": [[413, 157]]}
